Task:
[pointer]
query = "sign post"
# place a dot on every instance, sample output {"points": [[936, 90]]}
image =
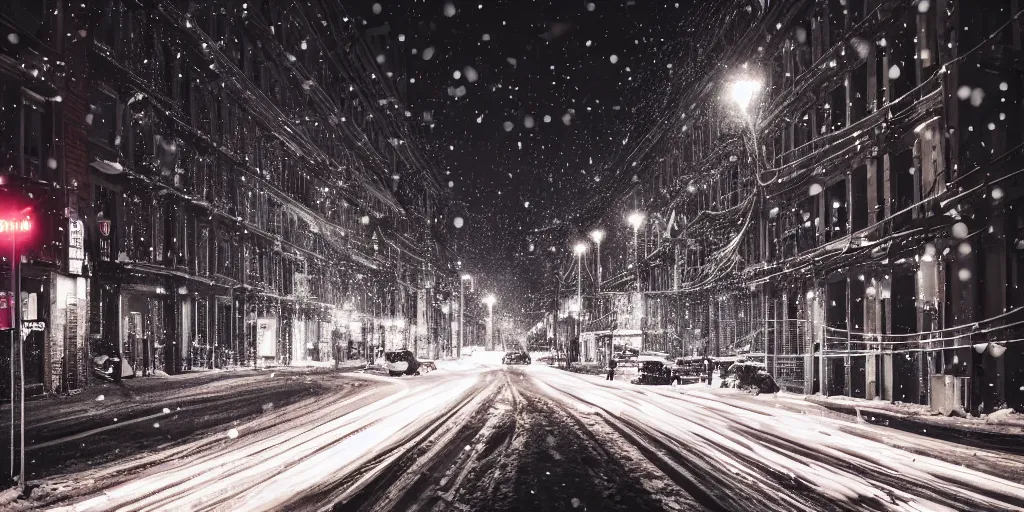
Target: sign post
{"points": [[15, 227]]}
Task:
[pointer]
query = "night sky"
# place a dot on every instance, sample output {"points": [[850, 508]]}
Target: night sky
{"points": [[585, 75]]}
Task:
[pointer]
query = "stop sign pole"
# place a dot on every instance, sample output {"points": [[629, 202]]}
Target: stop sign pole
{"points": [[16, 335], [14, 228]]}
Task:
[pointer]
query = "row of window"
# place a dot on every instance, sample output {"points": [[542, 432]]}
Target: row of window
{"points": [[26, 133], [213, 111], [811, 221]]}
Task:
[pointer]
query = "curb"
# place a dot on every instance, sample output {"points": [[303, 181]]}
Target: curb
{"points": [[1003, 442]]}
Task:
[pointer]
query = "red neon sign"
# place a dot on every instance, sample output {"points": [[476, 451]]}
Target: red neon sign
{"points": [[15, 226]]}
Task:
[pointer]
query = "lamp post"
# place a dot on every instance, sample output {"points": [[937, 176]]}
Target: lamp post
{"points": [[462, 302], [742, 92], [636, 219], [490, 300], [579, 249], [597, 236]]}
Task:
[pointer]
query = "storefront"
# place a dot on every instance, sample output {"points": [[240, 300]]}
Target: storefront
{"points": [[262, 319], [143, 336], [66, 333]]}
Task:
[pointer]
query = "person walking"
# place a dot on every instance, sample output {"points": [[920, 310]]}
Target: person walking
{"points": [[611, 369], [709, 367]]}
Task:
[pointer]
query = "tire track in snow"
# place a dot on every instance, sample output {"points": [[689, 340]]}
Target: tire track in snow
{"points": [[765, 461], [236, 467]]}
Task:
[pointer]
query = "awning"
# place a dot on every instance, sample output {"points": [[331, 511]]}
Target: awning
{"points": [[107, 167]]}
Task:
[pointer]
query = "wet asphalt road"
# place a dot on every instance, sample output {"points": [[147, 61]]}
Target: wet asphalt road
{"points": [[525, 438]]}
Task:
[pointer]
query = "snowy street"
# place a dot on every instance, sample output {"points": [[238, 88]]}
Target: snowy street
{"points": [[473, 436], [378, 255]]}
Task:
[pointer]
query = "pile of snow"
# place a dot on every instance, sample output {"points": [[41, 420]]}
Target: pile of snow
{"points": [[459, 365], [487, 357], [751, 376], [313, 364], [9, 496], [1005, 416]]}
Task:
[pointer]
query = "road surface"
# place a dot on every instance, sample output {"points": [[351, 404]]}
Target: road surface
{"points": [[537, 438]]}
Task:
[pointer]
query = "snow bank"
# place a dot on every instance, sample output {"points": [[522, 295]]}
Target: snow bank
{"points": [[313, 364], [487, 357], [1005, 415]]}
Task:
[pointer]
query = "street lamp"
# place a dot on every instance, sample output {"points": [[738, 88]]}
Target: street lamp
{"points": [[579, 249], [462, 302], [742, 91], [490, 300], [636, 219], [597, 236]]}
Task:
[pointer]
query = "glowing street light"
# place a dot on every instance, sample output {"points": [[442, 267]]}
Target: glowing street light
{"points": [[579, 249], [742, 91], [636, 219]]}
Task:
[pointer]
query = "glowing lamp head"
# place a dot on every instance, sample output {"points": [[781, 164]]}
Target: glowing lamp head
{"points": [[466, 277], [597, 236], [579, 248], [741, 92], [636, 219], [490, 300]]}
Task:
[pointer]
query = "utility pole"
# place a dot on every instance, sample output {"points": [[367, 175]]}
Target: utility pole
{"points": [[462, 303], [558, 300], [15, 303]]}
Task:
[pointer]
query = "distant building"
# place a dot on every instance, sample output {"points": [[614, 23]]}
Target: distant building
{"points": [[249, 189], [861, 236]]}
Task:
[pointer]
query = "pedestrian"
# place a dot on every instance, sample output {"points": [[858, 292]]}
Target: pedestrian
{"points": [[116, 368], [710, 368], [611, 369]]}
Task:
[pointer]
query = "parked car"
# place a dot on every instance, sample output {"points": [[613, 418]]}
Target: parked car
{"points": [[689, 370], [652, 373], [404, 362], [518, 357], [112, 368], [627, 357], [752, 376]]}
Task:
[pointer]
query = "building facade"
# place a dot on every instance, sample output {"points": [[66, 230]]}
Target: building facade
{"points": [[855, 226], [232, 186]]}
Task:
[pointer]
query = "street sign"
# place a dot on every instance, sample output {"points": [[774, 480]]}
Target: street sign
{"points": [[15, 226], [76, 246], [36, 325], [28, 327]]}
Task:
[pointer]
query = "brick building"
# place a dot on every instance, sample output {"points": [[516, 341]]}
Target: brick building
{"points": [[241, 186], [856, 227]]}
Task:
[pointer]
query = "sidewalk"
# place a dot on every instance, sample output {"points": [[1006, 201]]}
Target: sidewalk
{"points": [[1001, 431], [107, 422], [102, 398]]}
